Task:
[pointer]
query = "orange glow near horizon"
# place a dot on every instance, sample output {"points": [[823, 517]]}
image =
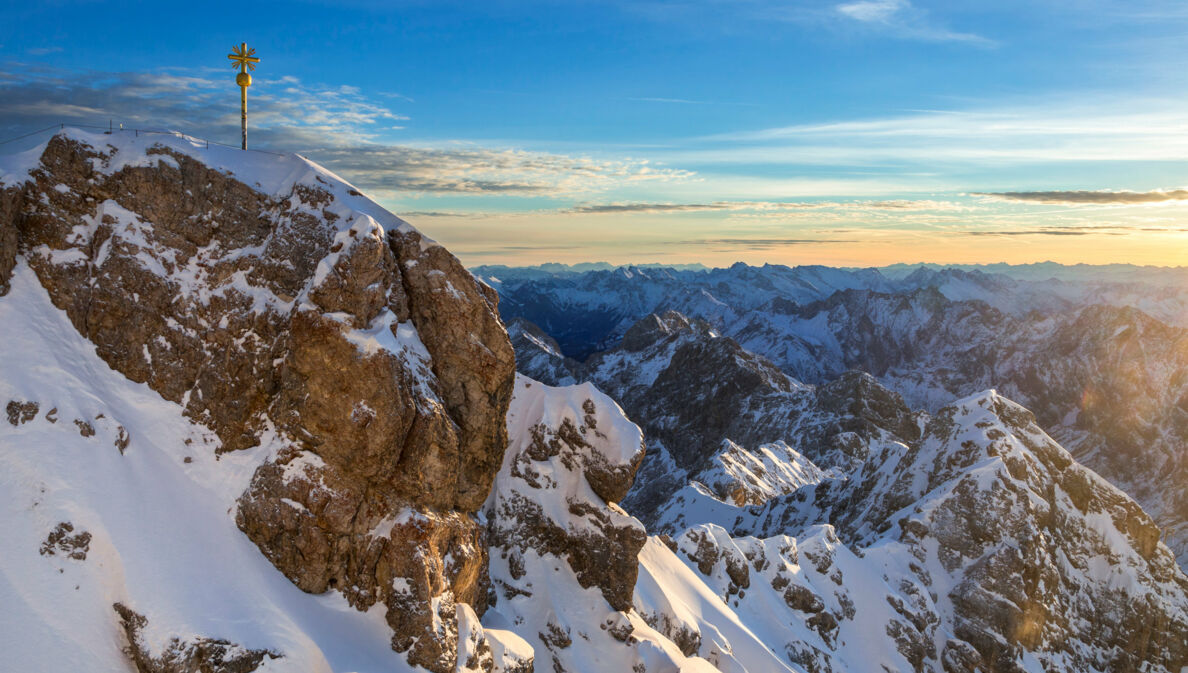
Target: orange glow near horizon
{"points": [[522, 240]]}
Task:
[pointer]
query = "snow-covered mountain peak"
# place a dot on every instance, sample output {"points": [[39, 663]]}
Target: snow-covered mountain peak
{"points": [[273, 174]]}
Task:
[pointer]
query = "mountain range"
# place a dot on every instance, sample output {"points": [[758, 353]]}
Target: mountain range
{"points": [[256, 422], [1106, 378]]}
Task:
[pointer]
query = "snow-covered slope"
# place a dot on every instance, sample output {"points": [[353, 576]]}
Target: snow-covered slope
{"points": [[818, 516], [151, 523]]}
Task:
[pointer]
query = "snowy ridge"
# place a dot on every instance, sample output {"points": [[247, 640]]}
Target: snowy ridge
{"points": [[275, 175]]}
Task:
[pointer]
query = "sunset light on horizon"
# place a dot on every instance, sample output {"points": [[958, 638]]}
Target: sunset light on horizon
{"points": [[854, 133]]}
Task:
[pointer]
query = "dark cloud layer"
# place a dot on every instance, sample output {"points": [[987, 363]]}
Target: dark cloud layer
{"points": [[1027, 232], [645, 207], [1090, 197], [762, 243]]}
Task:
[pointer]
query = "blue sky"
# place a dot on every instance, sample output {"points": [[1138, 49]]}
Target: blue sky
{"points": [[851, 132]]}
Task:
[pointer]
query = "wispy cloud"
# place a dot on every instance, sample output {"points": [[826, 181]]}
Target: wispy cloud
{"points": [[1083, 130], [1026, 232], [477, 215], [760, 243], [338, 126], [285, 112], [477, 170], [1090, 197], [901, 19]]}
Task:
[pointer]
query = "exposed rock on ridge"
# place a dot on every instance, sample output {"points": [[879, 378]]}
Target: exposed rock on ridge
{"points": [[564, 556], [300, 313]]}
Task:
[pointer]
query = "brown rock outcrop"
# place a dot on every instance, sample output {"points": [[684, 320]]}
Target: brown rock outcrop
{"points": [[305, 316], [458, 319], [197, 655], [9, 205]]}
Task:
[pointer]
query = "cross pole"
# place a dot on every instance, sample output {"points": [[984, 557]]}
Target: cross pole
{"points": [[245, 59]]}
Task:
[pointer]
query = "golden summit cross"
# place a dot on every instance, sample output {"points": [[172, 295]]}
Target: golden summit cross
{"points": [[245, 59]]}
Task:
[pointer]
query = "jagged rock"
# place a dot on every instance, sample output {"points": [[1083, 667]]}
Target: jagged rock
{"points": [[61, 541], [21, 412], [571, 462], [728, 419], [547, 363], [326, 532], [84, 428], [9, 206], [564, 556], [458, 320], [196, 655]]}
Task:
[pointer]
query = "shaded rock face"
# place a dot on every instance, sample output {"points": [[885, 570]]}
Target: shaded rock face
{"points": [[370, 361], [458, 319], [727, 418], [543, 354], [689, 387], [1038, 557], [564, 556], [326, 531], [571, 462], [9, 202]]}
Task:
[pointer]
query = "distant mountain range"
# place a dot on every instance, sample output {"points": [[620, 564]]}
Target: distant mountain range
{"points": [[1102, 363]]}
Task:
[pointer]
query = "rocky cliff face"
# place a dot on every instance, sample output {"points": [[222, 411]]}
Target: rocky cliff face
{"points": [[299, 314], [968, 540], [1109, 382], [1102, 363], [719, 415]]}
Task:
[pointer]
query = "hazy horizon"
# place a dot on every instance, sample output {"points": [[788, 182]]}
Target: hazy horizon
{"points": [[612, 265]]}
